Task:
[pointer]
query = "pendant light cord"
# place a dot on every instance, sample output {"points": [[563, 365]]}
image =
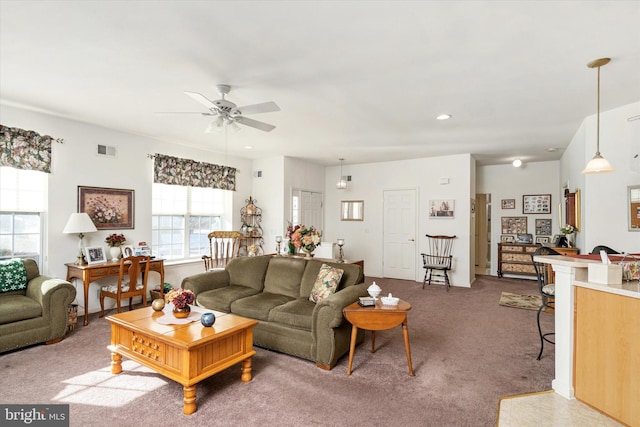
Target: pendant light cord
{"points": [[598, 118]]}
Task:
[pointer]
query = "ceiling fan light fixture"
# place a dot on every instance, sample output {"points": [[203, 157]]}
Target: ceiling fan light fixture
{"points": [[215, 126], [598, 164], [342, 183]]}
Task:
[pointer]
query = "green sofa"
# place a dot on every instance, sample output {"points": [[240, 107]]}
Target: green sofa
{"points": [[36, 314], [275, 291]]}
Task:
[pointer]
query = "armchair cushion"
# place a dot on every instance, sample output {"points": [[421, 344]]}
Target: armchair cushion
{"points": [[18, 307], [220, 299], [296, 313], [13, 275]]}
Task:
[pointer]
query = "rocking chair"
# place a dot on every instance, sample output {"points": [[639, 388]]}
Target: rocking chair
{"points": [[438, 261], [223, 246]]}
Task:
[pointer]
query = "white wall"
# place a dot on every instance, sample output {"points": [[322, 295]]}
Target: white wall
{"points": [[604, 196], [74, 163], [364, 240], [507, 182]]}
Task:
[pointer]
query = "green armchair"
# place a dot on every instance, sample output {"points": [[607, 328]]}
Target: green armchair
{"points": [[36, 314]]}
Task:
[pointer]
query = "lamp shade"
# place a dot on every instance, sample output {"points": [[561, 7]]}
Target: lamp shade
{"points": [[79, 223], [598, 165]]}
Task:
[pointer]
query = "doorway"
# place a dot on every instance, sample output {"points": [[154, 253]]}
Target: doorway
{"points": [[306, 208], [483, 234], [399, 234]]}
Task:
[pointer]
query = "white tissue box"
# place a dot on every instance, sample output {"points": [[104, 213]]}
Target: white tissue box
{"points": [[606, 274]]}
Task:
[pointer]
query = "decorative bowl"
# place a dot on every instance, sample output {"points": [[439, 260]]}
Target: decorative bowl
{"points": [[374, 290], [390, 300]]}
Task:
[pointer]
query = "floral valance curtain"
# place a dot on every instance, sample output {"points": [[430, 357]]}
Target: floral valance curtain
{"points": [[25, 149], [176, 171]]}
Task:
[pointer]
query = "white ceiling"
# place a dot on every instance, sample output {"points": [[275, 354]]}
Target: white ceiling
{"points": [[363, 80]]}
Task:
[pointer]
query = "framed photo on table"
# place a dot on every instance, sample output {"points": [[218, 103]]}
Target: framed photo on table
{"points": [[95, 254], [536, 204], [108, 208]]}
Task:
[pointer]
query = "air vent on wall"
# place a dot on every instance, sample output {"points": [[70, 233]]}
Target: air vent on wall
{"points": [[106, 151]]}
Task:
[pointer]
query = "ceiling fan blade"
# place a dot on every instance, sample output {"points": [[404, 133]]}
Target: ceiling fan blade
{"points": [[174, 113], [265, 107], [201, 99], [255, 124]]}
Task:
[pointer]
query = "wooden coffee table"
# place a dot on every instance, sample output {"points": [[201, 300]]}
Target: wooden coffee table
{"points": [[378, 318], [186, 353]]}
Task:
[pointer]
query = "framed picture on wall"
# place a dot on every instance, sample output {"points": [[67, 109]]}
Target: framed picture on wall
{"points": [[444, 209], [508, 203], [108, 208], [536, 204], [514, 224], [543, 227]]}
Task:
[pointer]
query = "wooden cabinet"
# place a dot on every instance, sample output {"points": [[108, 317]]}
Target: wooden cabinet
{"points": [[251, 217], [515, 258], [607, 353]]}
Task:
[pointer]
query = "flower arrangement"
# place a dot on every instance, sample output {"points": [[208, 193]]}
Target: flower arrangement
{"points": [[568, 229], [305, 238], [115, 239], [180, 297], [290, 230]]}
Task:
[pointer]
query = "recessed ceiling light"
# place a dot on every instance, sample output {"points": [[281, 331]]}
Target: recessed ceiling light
{"points": [[551, 149], [517, 163], [248, 147], [443, 117]]}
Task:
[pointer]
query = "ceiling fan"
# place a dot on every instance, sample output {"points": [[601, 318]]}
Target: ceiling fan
{"points": [[227, 113]]}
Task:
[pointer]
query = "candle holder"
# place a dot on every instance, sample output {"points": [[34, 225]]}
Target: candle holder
{"points": [[278, 245], [340, 254]]}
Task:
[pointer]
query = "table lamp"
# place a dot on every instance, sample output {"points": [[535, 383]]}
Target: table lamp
{"points": [[80, 223]]}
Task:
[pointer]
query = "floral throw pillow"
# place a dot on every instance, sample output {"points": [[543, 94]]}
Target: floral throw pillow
{"points": [[326, 283], [13, 275]]}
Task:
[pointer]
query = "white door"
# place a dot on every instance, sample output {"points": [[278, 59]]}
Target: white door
{"points": [[307, 208], [399, 260]]}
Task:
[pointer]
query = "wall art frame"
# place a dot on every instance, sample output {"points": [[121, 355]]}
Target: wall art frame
{"points": [[508, 203], [543, 226], [536, 204], [633, 192], [108, 208], [514, 224], [442, 209]]}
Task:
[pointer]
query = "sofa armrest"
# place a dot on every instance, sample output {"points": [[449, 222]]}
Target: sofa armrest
{"points": [[54, 295], [328, 312], [207, 281]]}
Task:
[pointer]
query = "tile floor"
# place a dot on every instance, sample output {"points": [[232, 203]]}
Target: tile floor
{"points": [[549, 409]]}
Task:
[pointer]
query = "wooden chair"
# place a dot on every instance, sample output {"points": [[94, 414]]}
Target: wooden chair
{"points": [[129, 283], [547, 291], [596, 250], [223, 246], [438, 260]]}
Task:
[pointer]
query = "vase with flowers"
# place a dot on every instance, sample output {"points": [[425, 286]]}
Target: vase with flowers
{"points": [[180, 298], [568, 230], [306, 239], [114, 241]]}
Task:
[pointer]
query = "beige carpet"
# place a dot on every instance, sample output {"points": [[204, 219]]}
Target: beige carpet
{"points": [[528, 302]]}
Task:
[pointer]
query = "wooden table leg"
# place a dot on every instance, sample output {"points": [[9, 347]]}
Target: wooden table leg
{"points": [[373, 341], [407, 347], [246, 370], [189, 400], [85, 285], [116, 363], [352, 346]]}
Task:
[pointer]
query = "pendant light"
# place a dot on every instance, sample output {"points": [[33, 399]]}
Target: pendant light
{"points": [[598, 164], [342, 183]]}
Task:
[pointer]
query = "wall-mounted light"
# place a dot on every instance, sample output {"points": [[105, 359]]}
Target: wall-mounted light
{"points": [[598, 164]]}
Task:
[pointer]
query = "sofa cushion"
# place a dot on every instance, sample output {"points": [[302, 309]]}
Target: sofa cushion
{"points": [[258, 306], [16, 307], [248, 271], [296, 313], [284, 275], [220, 299], [352, 275], [13, 275], [326, 283]]}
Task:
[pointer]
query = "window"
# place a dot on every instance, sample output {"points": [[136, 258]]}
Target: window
{"points": [[182, 219], [22, 202]]}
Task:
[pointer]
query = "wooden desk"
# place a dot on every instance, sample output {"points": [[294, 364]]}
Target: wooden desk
{"points": [[378, 318], [91, 273]]}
